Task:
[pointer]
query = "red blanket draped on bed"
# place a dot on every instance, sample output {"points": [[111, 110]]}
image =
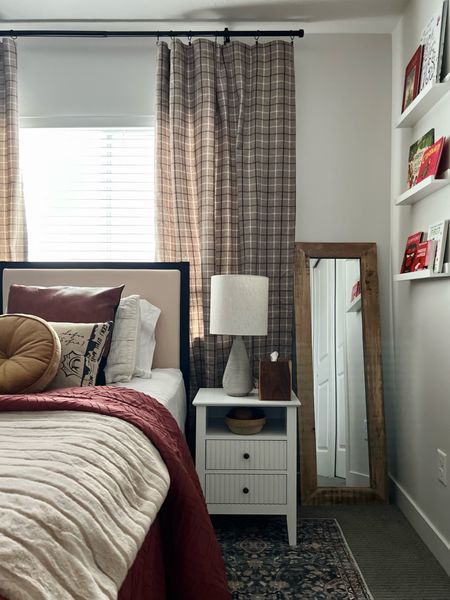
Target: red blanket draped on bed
{"points": [[191, 565]]}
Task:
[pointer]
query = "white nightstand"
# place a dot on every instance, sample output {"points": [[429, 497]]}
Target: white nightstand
{"points": [[248, 474]]}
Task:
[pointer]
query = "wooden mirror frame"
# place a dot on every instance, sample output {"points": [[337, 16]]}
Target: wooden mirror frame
{"points": [[310, 492]]}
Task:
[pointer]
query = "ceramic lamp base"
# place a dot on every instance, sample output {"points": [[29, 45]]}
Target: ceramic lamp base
{"points": [[238, 375]]}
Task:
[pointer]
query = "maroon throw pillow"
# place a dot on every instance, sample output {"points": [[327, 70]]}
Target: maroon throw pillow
{"points": [[67, 304]]}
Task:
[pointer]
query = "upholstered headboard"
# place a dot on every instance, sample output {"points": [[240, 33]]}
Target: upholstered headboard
{"points": [[166, 285]]}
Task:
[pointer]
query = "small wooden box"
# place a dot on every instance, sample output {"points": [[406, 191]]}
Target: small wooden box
{"points": [[275, 380]]}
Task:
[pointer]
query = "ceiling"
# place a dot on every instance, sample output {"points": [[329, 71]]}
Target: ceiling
{"points": [[198, 11]]}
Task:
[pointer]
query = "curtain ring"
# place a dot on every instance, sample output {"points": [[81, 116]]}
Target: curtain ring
{"points": [[257, 36], [292, 39], [190, 38], [157, 37]]}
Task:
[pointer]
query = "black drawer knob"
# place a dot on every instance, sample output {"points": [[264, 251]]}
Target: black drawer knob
{"points": [[246, 455], [245, 490]]}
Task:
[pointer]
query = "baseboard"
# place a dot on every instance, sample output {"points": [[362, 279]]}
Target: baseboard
{"points": [[355, 479], [432, 537]]}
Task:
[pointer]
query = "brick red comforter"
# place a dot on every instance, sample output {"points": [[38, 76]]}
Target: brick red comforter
{"points": [[180, 558]]}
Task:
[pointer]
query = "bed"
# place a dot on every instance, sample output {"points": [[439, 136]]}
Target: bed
{"points": [[122, 515]]}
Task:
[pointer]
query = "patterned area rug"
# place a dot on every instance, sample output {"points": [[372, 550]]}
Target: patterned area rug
{"points": [[262, 566]]}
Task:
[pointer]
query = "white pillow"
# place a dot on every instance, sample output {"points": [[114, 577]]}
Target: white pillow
{"points": [[147, 341], [124, 344]]}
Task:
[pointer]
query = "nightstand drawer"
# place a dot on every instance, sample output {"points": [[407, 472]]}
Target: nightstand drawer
{"points": [[223, 488], [243, 454]]}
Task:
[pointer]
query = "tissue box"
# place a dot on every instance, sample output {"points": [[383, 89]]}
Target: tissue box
{"points": [[275, 380]]}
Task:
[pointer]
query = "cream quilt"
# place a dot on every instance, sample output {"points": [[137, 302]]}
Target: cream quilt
{"points": [[78, 493]]}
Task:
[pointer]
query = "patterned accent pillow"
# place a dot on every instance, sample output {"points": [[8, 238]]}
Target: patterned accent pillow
{"points": [[82, 346]]}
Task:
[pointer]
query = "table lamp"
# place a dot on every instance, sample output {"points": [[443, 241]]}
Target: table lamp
{"points": [[239, 306]]}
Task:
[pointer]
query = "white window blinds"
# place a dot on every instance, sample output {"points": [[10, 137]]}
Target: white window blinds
{"points": [[89, 193]]}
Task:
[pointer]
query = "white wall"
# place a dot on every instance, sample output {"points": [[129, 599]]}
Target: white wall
{"points": [[420, 415], [343, 152]]}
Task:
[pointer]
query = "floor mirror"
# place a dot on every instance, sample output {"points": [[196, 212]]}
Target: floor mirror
{"points": [[339, 377]]}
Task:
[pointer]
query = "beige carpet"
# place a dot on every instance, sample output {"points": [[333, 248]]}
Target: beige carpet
{"points": [[394, 561]]}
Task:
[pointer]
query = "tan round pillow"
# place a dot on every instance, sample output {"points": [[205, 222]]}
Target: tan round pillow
{"points": [[30, 352]]}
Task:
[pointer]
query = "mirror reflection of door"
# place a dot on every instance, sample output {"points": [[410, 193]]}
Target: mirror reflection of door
{"points": [[338, 365]]}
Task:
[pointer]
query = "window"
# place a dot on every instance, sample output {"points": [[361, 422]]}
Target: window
{"points": [[89, 193]]}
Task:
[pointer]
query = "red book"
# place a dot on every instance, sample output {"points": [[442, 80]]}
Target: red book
{"points": [[430, 160], [412, 78], [410, 251], [424, 258], [356, 290]]}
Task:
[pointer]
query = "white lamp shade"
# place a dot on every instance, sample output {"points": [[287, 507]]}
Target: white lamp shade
{"points": [[239, 305]]}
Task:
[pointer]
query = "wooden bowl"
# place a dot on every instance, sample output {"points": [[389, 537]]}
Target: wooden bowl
{"points": [[246, 426]]}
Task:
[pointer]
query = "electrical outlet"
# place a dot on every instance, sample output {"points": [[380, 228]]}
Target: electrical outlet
{"points": [[441, 466]]}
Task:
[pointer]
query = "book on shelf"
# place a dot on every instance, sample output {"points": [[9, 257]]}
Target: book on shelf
{"points": [[430, 160], [433, 38], [410, 251], [416, 152], [438, 233], [356, 290], [444, 163], [424, 258], [412, 78]]}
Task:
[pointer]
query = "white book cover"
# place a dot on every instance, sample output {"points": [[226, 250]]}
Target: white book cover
{"points": [[438, 232], [432, 39]]}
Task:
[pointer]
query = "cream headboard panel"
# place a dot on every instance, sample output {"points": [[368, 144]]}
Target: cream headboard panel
{"points": [[163, 287]]}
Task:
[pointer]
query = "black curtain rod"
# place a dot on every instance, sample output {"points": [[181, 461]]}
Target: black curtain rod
{"points": [[225, 33]]}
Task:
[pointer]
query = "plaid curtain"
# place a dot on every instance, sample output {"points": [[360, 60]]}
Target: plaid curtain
{"points": [[13, 241], [225, 181]]}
